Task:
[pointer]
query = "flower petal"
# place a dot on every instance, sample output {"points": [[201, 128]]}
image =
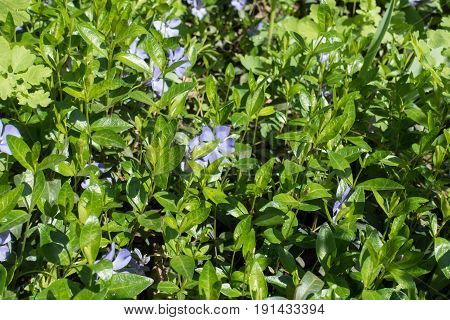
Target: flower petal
{"points": [[4, 253], [159, 86], [110, 255], [10, 130], [173, 23], [195, 142], [122, 259], [222, 132], [227, 146], [207, 135], [5, 237], [169, 33], [213, 156], [86, 183]]}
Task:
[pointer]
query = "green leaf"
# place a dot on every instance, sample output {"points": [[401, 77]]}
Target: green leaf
{"points": [[194, 218], [92, 37], [22, 58], [264, 175], [376, 40], [315, 191], [108, 138], [91, 203], [167, 287], [256, 101], [257, 283], [184, 266], [380, 184], [9, 200], [215, 195], [286, 199], [167, 200], [90, 238], [54, 245], [156, 51], [113, 123], [20, 151], [325, 246], [3, 276], [17, 8], [127, 285], [133, 62], [209, 285], [136, 194], [50, 162], [337, 161], [442, 255], [309, 285], [13, 218], [169, 159]]}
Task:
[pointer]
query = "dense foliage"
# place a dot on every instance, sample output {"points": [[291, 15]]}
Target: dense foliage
{"points": [[224, 149]]}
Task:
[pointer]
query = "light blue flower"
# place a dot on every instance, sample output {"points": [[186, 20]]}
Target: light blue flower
{"points": [[157, 83], [239, 4], [120, 261], [167, 29], [197, 9], [134, 49], [5, 239], [413, 3], [176, 56], [225, 146], [4, 132], [138, 263], [338, 203], [102, 169], [255, 29]]}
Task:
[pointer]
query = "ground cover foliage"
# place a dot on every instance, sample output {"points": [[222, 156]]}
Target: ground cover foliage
{"points": [[224, 149]]}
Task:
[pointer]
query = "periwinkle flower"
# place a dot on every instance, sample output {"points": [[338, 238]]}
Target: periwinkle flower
{"points": [[326, 93], [5, 238], [102, 169], [138, 263], [324, 58], [254, 30], [134, 49], [177, 55], [225, 146], [120, 261], [338, 203], [8, 130], [197, 9], [167, 29], [239, 4], [157, 83], [413, 3]]}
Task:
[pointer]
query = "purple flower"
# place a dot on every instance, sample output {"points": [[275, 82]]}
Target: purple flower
{"points": [[102, 169], [120, 261], [138, 262], [4, 132], [338, 203], [238, 4], [324, 58], [326, 93], [255, 29], [157, 82], [5, 238], [413, 3], [225, 146], [134, 49], [177, 56], [197, 9], [167, 29]]}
